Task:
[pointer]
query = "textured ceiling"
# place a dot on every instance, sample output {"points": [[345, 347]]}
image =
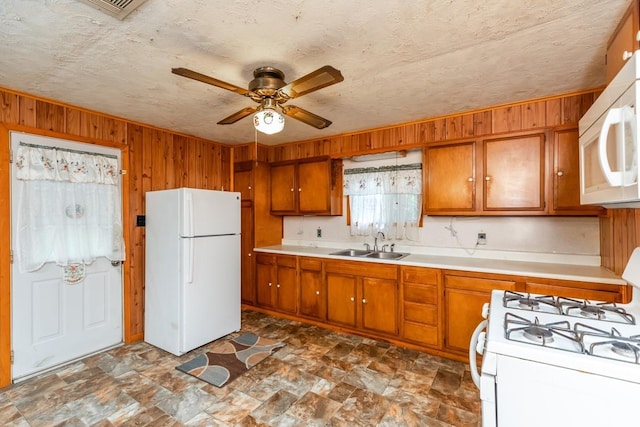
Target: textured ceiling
{"points": [[401, 60]]}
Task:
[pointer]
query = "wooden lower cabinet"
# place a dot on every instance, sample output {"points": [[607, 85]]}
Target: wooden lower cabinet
{"points": [[363, 296], [424, 308], [464, 297], [421, 305], [311, 288], [276, 282]]}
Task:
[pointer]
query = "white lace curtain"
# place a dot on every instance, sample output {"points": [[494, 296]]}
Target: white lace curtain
{"points": [[69, 207], [386, 199]]}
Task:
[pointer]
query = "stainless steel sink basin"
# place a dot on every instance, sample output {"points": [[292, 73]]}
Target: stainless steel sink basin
{"points": [[351, 252], [386, 255], [369, 254]]}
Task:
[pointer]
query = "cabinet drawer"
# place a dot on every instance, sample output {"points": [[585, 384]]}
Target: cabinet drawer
{"points": [[286, 261], [478, 284], [421, 333], [420, 275], [423, 294], [262, 258], [310, 264], [576, 293], [421, 313]]}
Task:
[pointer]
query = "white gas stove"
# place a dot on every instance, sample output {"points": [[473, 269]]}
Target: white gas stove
{"points": [[557, 361]]}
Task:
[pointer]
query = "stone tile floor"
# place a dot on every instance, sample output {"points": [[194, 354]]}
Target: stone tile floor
{"points": [[321, 378]]}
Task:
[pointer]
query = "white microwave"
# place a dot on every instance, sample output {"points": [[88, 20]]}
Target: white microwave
{"points": [[609, 154]]}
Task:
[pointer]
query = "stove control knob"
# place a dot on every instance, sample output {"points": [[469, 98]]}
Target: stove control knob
{"points": [[485, 310], [480, 344]]}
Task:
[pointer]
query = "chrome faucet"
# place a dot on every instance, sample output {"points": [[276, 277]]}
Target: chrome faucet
{"points": [[375, 240]]}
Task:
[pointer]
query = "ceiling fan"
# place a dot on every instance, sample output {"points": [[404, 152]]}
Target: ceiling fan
{"points": [[270, 91]]}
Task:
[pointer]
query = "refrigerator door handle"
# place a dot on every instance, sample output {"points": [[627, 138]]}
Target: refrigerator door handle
{"points": [[189, 215], [189, 260]]}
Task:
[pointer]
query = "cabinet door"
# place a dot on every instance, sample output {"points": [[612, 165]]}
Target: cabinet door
{"points": [[341, 299], [283, 188], [566, 175], [463, 310], [450, 178], [265, 288], [311, 290], [464, 298], [623, 41], [379, 303], [314, 193], [247, 284], [242, 184], [287, 289], [514, 173]]}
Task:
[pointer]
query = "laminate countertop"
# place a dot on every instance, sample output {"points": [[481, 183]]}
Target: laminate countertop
{"points": [[582, 273]]}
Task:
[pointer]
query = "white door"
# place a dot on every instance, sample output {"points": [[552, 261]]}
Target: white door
{"points": [[53, 322]]}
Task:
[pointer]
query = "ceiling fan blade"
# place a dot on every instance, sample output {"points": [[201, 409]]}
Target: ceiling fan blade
{"points": [[322, 77], [184, 72], [238, 115], [305, 117]]}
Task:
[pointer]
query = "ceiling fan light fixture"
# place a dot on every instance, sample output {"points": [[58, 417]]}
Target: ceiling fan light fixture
{"points": [[268, 121]]}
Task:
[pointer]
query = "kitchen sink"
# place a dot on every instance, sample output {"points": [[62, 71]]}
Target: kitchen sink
{"points": [[351, 252], [369, 254], [386, 255]]}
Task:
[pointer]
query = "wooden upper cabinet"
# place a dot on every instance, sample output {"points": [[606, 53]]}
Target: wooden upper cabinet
{"points": [[449, 176], [514, 173], [243, 183], [566, 176], [314, 187], [624, 41], [310, 186], [283, 188], [497, 176]]}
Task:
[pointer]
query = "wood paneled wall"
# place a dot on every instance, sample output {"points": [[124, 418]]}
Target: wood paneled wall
{"points": [[153, 158], [534, 114]]}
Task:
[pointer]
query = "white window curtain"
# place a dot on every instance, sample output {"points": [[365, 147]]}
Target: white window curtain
{"points": [[69, 207], [386, 199]]}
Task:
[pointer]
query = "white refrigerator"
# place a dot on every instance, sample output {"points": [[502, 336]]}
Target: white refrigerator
{"points": [[192, 267]]}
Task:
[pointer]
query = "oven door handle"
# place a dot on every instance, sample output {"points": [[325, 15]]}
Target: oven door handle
{"points": [[473, 365]]}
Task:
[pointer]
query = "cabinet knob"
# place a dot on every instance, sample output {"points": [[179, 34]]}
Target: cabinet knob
{"points": [[249, 254], [269, 283], [560, 173], [353, 299], [317, 292], [487, 178], [249, 187], [364, 300], [626, 55], [292, 190], [299, 189], [638, 36], [278, 285], [470, 179]]}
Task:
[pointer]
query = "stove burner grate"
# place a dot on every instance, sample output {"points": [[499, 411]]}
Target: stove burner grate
{"points": [[610, 345], [523, 330], [517, 300], [609, 312]]}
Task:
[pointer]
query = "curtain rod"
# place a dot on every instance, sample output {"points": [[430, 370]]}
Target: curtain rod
{"points": [[391, 168], [68, 150]]}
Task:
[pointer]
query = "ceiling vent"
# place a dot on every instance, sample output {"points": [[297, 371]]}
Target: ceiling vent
{"points": [[116, 8]]}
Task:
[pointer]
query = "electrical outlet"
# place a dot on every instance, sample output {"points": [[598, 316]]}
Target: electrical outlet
{"points": [[482, 238], [319, 232]]}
